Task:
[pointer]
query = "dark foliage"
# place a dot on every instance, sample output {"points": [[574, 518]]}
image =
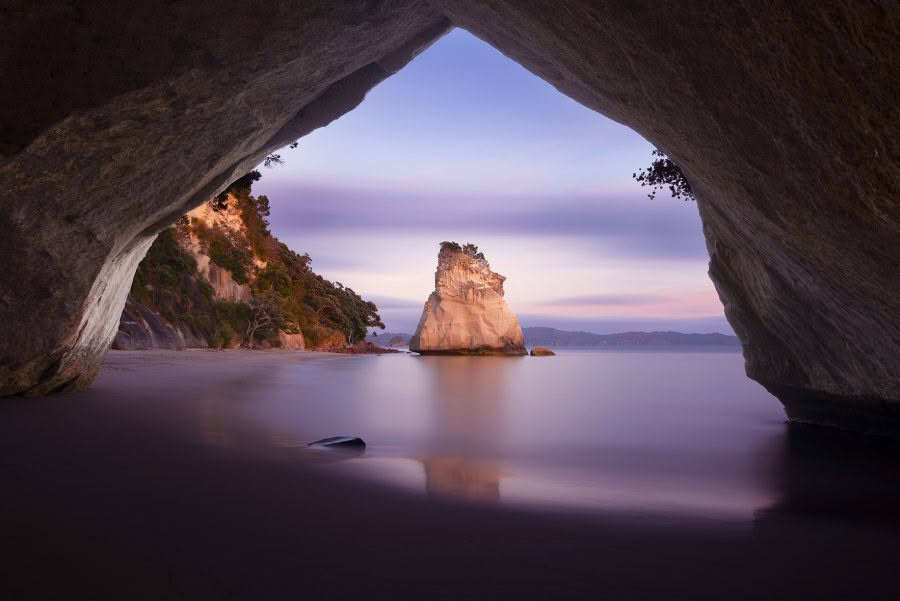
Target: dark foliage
{"points": [[662, 173], [226, 249], [167, 282], [468, 248], [310, 301], [244, 183], [272, 160]]}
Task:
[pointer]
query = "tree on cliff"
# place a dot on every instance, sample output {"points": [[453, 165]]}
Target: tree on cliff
{"points": [[265, 314], [243, 183], [468, 249], [663, 172]]}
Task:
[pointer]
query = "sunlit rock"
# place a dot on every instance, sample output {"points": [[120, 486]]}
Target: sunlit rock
{"points": [[291, 342], [222, 282], [542, 351], [466, 313]]}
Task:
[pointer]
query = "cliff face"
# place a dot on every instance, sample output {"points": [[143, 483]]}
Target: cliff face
{"points": [[222, 281], [142, 328], [219, 278], [466, 313]]}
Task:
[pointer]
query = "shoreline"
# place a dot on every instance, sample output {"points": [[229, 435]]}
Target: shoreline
{"points": [[153, 484]]}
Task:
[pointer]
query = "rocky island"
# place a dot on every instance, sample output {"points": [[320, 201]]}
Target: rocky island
{"points": [[466, 313]]}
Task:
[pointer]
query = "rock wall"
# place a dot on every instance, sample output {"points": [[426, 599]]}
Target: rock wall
{"points": [[291, 342], [466, 314], [330, 340], [118, 125], [783, 115], [224, 286], [784, 118], [140, 328]]}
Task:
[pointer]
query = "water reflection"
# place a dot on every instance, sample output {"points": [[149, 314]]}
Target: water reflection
{"points": [[584, 432], [468, 396], [462, 478], [825, 473]]}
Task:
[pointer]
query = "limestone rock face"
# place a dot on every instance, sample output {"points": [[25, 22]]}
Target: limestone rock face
{"points": [[330, 340], [466, 313], [141, 328], [135, 114], [291, 342], [224, 286]]}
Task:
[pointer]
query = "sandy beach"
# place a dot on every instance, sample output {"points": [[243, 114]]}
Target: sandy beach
{"points": [[136, 489]]}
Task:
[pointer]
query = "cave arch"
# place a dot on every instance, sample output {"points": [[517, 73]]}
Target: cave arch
{"points": [[783, 118]]}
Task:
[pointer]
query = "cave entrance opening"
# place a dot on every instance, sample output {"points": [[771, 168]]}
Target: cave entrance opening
{"points": [[465, 144]]}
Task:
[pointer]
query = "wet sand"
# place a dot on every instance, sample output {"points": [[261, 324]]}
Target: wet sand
{"points": [[133, 490]]}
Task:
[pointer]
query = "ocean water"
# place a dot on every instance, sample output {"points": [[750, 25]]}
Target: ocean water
{"points": [[672, 434], [678, 432]]}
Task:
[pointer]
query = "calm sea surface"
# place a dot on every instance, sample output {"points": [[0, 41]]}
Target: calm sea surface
{"points": [[675, 432], [592, 474]]}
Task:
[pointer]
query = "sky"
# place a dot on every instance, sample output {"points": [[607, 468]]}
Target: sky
{"points": [[464, 144]]}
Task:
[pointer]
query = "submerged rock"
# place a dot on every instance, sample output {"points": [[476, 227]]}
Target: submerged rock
{"points": [[542, 351], [466, 313]]}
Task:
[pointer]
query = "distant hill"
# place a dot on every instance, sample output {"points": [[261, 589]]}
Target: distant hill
{"points": [[552, 337], [539, 336], [389, 339]]}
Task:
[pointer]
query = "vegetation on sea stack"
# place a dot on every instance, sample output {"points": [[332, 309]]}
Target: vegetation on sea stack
{"points": [[468, 249]]}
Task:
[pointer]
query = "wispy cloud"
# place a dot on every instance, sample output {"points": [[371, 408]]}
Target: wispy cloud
{"points": [[626, 226], [607, 299]]}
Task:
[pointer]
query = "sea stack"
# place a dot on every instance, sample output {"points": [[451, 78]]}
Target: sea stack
{"points": [[466, 313]]}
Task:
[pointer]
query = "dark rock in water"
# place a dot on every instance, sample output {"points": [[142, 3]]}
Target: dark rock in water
{"points": [[541, 351], [340, 442]]}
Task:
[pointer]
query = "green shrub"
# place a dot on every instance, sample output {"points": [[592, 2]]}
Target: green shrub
{"points": [[223, 336], [234, 315], [226, 251], [205, 288]]}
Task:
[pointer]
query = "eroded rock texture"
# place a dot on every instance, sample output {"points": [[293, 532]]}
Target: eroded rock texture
{"points": [[291, 342], [466, 313], [142, 328], [784, 116], [125, 116]]}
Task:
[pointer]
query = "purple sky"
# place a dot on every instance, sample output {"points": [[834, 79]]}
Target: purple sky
{"points": [[464, 144]]}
